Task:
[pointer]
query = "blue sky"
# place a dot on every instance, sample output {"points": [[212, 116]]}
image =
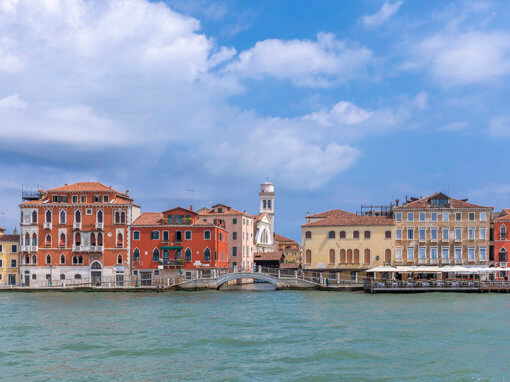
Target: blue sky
{"points": [[339, 103]]}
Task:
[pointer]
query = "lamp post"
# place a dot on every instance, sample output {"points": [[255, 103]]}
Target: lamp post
{"points": [[51, 267]]}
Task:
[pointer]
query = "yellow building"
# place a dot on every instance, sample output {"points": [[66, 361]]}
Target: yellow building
{"points": [[9, 267], [340, 245]]}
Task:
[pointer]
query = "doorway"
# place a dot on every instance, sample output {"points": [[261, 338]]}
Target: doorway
{"points": [[95, 273]]}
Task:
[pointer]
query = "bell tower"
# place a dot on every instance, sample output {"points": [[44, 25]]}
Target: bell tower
{"points": [[267, 195]]}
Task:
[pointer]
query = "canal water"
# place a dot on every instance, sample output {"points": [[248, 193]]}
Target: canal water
{"points": [[251, 335]]}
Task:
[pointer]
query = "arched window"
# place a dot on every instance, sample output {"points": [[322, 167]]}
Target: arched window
{"points": [[187, 255], [27, 239], [99, 216], [342, 235], [332, 256], [93, 239], [502, 232], [48, 216], [77, 216], [264, 237], [117, 217], [503, 255], [80, 260], [178, 254], [308, 235], [34, 217], [100, 239], [355, 235], [62, 276], [342, 256], [166, 255], [122, 217], [119, 259], [349, 256], [308, 256], [27, 259], [47, 240], [367, 256], [119, 240], [387, 256], [77, 276], [264, 204], [155, 255], [34, 259], [75, 260], [96, 265], [207, 254], [136, 255], [367, 234], [62, 259], [269, 204], [356, 256], [331, 234], [77, 239], [48, 259], [178, 236], [62, 217], [62, 241], [34, 239]]}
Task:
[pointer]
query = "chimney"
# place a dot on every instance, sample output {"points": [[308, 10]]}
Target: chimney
{"points": [[127, 192], [308, 214], [396, 201], [191, 207]]}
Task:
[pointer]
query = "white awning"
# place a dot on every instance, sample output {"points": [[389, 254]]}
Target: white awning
{"points": [[385, 268]]}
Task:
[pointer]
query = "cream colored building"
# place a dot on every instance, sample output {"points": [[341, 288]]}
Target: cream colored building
{"points": [[342, 245], [9, 265]]}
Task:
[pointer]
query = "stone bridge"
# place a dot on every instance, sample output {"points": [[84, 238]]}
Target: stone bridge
{"points": [[278, 282]]}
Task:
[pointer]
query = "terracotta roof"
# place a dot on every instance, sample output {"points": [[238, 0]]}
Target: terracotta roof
{"points": [[289, 266], [454, 203], [227, 211], [282, 239], [505, 215], [149, 218], [325, 213], [259, 217], [85, 186], [344, 218], [180, 208], [268, 256], [14, 238]]}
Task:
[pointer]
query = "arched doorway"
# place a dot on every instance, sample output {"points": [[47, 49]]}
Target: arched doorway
{"points": [[95, 273]]}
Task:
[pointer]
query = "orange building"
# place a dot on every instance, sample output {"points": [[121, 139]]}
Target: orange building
{"points": [[176, 243], [78, 231], [502, 243]]}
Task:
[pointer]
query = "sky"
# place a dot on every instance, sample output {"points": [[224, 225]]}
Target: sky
{"points": [[337, 103]]}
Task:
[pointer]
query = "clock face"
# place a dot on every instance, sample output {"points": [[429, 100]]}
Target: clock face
{"points": [[109, 234]]}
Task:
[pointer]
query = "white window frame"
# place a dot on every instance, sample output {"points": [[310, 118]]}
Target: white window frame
{"points": [[412, 230], [422, 250], [432, 214], [458, 220], [432, 250], [424, 230], [397, 236], [484, 214], [410, 214], [447, 230], [447, 252], [474, 217], [473, 250], [409, 249], [436, 230], [210, 236], [484, 257], [88, 211], [398, 216], [458, 239], [455, 252], [445, 217], [398, 253], [471, 230], [424, 214], [484, 230]]}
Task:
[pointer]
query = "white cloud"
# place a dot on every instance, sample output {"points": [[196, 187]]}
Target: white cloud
{"points": [[305, 63], [455, 126], [463, 58], [12, 101], [385, 13], [500, 126]]}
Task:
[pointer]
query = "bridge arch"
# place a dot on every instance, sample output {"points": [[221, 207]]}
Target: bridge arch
{"points": [[247, 275]]}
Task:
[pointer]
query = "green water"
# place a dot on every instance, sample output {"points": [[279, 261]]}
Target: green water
{"points": [[254, 336]]}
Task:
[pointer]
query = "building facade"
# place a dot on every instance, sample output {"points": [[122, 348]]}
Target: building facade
{"points": [[339, 245], [240, 240], [78, 231], [502, 243], [290, 248], [176, 243], [9, 262], [439, 230]]}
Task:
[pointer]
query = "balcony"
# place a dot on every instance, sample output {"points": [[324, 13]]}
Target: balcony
{"points": [[433, 261], [422, 261], [47, 225], [458, 261], [445, 261], [77, 225], [503, 265], [99, 225], [88, 248], [174, 263], [502, 236]]}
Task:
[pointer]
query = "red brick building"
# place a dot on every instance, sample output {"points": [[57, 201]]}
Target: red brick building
{"points": [[78, 231], [176, 243], [502, 242]]}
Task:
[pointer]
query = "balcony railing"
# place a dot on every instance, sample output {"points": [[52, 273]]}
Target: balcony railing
{"points": [[169, 262], [433, 261], [28, 248], [99, 225], [422, 261], [47, 225], [458, 260], [88, 248], [503, 264], [77, 225], [502, 236]]}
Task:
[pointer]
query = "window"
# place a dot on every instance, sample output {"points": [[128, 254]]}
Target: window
{"points": [[398, 253], [471, 216], [34, 217], [458, 252], [47, 240], [410, 253], [234, 251], [433, 252], [34, 259], [166, 236], [387, 234], [117, 217], [502, 232], [178, 236], [62, 241], [75, 198], [80, 260], [332, 256], [483, 216], [48, 259], [433, 217], [342, 235], [387, 256], [398, 234], [471, 233], [342, 256], [77, 216], [483, 233], [445, 234], [422, 232], [445, 253], [62, 276], [366, 234], [75, 260], [120, 240], [14, 248], [398, 216], [62, 259], [100, 239], [62, 217], [234, 221], [105, 198], [410, 233], [27, 239], [422, 252], [308, 235], [123, 217], [331, 235], [458, 233], [269, 204], [308, 256], [234, 235], [1, 264], [356, 256], [187, 235], [422, 216], [433, 233], [88, 211], [99, 216], [77, 276], [119, 259], [84, 198], [207, 254], [136, 255], [367, 256], [483, 253], [458, 216], [503, 255], [264, 204], [97, 198], [136, 235], [13, 263], [34, 276], [410, 217], [446, 216], [155, 255], [207, 235], [155, 235], [187, 255], [1, 248], [471, 253], [244, 221], [355, 235]]}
